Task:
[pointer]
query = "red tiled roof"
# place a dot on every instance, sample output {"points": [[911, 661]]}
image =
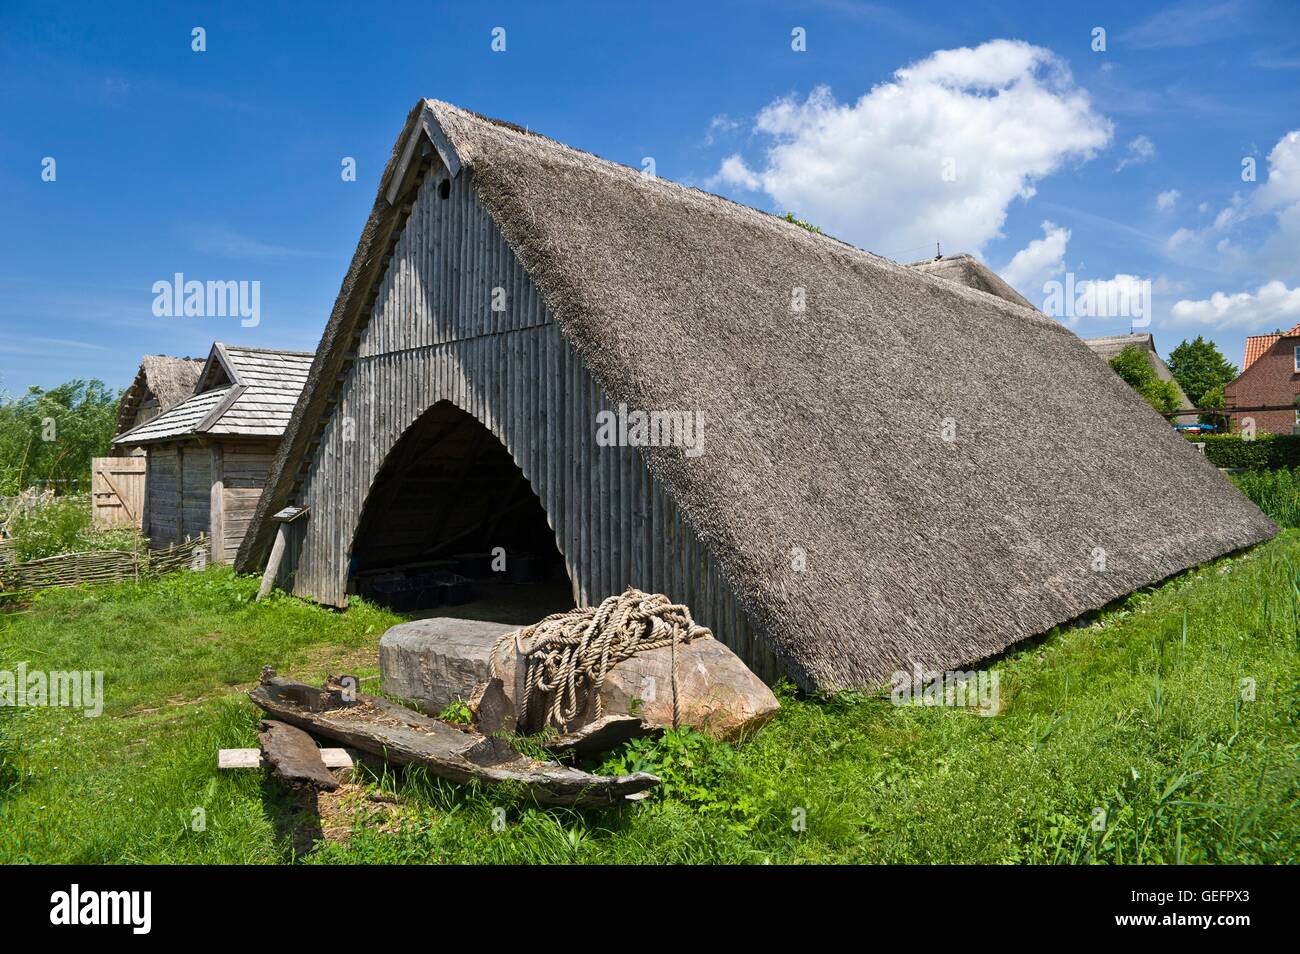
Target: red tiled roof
{"points": [[1256, 345]]}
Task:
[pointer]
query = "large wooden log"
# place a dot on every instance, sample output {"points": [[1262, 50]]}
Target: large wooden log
{"points": [[405, 737]]}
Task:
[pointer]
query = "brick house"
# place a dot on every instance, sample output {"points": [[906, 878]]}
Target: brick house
{"points": [[1270, 376]]}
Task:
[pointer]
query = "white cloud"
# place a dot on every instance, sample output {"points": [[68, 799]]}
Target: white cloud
{"points": [[1167, 200], [1117, 297], [1124, 296], [936, 154], [1277, 252], [1272, 305], [720, 125], [734, 172], [1282, 188], [1039, 260], [1231, 214], [1140, 150]]}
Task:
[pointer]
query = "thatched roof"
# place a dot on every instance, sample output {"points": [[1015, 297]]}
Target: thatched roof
{"points": [[970, 271], [240, 391], [166, 379], [825, 429]]}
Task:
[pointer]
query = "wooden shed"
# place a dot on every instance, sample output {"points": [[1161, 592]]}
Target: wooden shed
{"points": [[208, 457], [895, 469]]}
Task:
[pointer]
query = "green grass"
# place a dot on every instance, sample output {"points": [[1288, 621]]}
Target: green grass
{"points": [[1139, 714], [1276, 492]]}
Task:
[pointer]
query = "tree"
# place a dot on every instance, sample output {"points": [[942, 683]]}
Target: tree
{"points": [[52, 435], [1199, 367], [1212, 400], [1132, 365]]}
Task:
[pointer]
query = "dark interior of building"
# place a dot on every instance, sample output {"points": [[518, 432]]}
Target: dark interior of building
{"points": [[452, 528]]}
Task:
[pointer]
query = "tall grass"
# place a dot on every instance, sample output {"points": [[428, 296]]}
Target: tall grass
{"points": [[64, 525], [1276, 492]]}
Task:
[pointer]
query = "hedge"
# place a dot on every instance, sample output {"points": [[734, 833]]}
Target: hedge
{"points": [[1265, 452]]}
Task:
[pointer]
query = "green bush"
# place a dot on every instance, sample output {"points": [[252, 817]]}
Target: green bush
{"points": [[1265, 452], [63, 525], [696, 771], [1276, 492]]}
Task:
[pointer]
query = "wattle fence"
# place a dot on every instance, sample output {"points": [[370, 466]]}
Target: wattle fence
{"points": [[101, 566]]}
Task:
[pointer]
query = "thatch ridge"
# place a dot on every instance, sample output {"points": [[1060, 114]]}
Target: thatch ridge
{"points": [[170, 380], [971, 272], [824, 429]]}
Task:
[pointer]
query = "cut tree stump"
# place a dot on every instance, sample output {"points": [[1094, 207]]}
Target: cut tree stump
{"points": [[294, 758], [405, 737]]}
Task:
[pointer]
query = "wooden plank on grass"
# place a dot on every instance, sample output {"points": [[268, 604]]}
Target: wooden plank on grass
{"points": [[252, 758]]}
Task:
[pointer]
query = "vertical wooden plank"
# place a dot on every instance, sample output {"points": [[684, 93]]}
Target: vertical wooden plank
{"points": [[217, 505]]}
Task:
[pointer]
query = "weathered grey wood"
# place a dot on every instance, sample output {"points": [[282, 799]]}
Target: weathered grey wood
{"points": [[404, 737], [434, 662], [273, 564], [293, 757], [601, 735], [432, 337], [217, 510]]}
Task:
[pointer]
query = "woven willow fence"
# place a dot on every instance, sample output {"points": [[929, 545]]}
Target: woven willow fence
{"points": [[102, 566]]}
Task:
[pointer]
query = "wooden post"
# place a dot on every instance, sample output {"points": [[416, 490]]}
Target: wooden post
{"points": [[217, 506], [273, 564]]}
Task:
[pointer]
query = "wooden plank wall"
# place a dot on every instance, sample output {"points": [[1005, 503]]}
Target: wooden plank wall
{"points": [[434, 337], [246, 467], [196, 483], [162, 496]]}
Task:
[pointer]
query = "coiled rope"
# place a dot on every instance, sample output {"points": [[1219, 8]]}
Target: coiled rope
{"points": [[567, 656]]}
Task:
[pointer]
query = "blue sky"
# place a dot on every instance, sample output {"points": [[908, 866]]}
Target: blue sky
{"points": [[1006, 135]]}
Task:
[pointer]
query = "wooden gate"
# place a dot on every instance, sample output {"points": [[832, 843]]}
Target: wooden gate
{"points": [[117, 490]]}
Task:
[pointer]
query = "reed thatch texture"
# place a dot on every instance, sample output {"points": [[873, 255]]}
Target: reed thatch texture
{"points": [[161, 377], [970, 271], [858, 536]]}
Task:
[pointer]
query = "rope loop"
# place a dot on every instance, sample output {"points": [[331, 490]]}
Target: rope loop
{"points": [[567, 656]]}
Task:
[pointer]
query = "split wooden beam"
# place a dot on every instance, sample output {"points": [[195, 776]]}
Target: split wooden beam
{"points": [[294, 758], [405, 737]]}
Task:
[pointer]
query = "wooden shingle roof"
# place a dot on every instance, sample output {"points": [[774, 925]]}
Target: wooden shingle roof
{"points": [[241, 392]]}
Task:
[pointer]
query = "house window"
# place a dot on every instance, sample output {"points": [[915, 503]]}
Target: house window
{"points": [[1297, 358]]}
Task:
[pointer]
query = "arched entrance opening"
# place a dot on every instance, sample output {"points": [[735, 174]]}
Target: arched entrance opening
{"points": [[451, 527]]}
